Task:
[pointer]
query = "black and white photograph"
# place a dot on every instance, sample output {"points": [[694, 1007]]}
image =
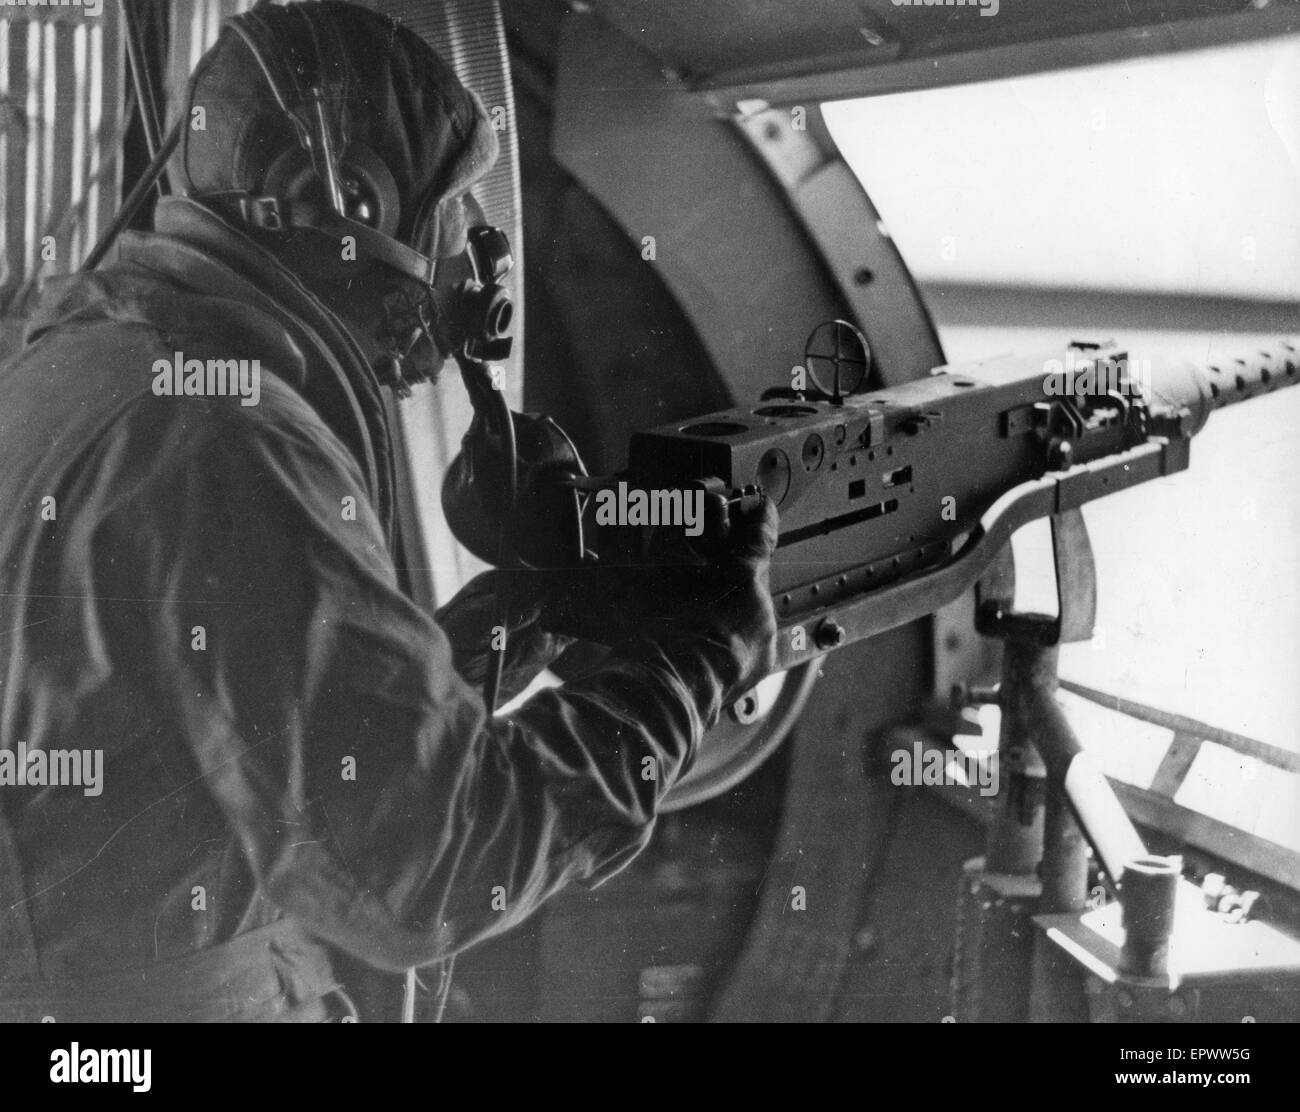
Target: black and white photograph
{"points": [[650, 511]]}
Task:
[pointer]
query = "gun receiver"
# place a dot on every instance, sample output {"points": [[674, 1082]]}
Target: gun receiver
{"points": [[895, 502]]}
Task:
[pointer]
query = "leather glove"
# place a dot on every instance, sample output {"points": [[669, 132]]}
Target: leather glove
{"points": [[542, 527], [470, 618], [715, 605]]}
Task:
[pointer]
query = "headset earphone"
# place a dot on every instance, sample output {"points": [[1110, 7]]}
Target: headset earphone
{"points": [[341, 187]]}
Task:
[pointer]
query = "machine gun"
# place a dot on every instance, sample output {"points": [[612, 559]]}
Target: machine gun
{"points": [[895, 502]]}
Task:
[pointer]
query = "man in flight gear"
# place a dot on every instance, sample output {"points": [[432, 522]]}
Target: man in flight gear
{"points": [[298, 781]]}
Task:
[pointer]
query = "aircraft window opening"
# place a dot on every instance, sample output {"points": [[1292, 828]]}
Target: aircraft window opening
{"points": [[1002, 198]]}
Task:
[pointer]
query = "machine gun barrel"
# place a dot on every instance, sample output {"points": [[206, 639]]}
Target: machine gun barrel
{"points": [[1218, 385]]}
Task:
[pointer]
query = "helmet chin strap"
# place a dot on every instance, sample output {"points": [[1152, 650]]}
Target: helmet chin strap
{"points": [[276, 214], [375, 245]]}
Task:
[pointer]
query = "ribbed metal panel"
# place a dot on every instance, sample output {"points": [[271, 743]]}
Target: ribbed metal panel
{"points": [[60, 116]]}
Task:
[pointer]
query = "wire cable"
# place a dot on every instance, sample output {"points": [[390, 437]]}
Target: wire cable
{"points": [[135, 198]]}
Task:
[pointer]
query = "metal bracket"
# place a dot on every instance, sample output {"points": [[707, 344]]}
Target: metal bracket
{"points": [[1076, 591]]}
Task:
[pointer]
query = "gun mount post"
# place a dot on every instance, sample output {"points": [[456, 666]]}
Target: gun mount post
{"points": [[1032, 718], [1053, 801]]}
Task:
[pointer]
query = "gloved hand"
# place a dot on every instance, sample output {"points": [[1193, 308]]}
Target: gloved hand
{"points": [[716, 605], [543, 526], [470, 621]]}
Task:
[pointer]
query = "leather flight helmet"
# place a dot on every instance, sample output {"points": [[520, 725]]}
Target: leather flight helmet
{"points": [[330, 116]]}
